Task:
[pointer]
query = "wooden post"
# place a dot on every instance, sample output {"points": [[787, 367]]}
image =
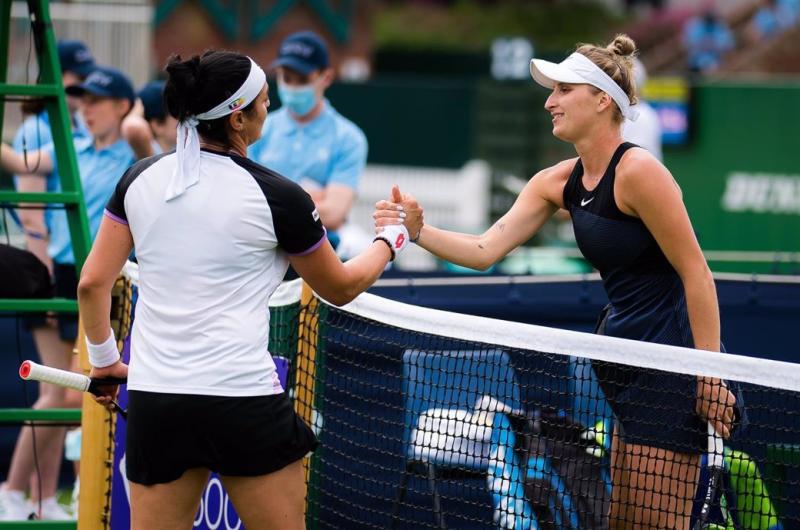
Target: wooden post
{"points": [[97, 455], [306, 358]]}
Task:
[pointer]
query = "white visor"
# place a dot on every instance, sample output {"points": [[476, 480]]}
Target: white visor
{"points": [[579, 69]]}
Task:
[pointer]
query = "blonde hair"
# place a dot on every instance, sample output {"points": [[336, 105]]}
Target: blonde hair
{"points": [[616, 60]]}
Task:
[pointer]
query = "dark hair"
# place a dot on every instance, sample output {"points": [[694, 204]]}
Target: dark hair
{"points": [[32, 106], [203, 82]]}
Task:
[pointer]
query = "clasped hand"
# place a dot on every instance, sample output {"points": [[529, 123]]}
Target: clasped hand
{"points": [[400, 208]]}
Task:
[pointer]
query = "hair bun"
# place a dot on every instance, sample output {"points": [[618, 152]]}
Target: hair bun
{"points": [[180, 90], [623, 46]]}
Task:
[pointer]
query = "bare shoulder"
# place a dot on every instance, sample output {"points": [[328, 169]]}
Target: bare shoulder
{"points": [[550, 181], [638, 167], [641, 176]]}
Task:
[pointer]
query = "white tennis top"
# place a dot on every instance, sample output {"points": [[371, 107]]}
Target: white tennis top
{"points": [[209, 260]]}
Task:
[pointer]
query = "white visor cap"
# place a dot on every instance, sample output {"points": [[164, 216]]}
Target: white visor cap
{"points": [[579, 69]]}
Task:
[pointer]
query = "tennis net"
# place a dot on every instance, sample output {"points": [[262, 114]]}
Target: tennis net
{"points": [[430, 419]]}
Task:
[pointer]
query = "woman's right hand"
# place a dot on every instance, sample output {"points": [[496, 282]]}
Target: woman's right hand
{"points": [[400, 209], [109, 393]]}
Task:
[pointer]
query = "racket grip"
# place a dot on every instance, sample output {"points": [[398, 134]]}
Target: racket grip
{"points": [[716, 448], [30, 370]]}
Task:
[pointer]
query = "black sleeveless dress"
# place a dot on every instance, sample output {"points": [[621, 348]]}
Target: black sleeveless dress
{"points": [[647, 303]]}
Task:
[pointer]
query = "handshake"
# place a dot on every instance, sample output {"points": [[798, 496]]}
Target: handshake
{"points": [[398, 221]]}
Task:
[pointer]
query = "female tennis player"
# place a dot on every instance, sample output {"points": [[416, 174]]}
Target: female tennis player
{"points": [[214, 233], [631, 224]]}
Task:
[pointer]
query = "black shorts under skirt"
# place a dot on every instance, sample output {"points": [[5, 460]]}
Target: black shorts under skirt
{"points": [[168, 434]]}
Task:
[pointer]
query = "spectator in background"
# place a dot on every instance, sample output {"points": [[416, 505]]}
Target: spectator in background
{"points": [[163, 126], [772, 18], [106, 97], [149, 129], [646, 130], [306, 140], [76, 64], [707, 39], [790, 9]]}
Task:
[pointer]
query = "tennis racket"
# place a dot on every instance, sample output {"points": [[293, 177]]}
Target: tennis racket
{"points": [[31, 371], [716, 468]]}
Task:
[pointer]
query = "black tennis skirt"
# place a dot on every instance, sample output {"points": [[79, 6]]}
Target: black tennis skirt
{"points": [[168, 434]]}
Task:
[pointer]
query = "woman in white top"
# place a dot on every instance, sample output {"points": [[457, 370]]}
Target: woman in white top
{"points": [[214, 234]]}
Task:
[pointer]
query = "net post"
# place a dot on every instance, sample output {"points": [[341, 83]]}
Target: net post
{"points": [[94, 508], [306, 359]]}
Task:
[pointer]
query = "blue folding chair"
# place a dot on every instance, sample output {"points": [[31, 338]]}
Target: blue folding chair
{"points": [[449, 398]]}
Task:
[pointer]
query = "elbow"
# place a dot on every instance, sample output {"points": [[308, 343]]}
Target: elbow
{"points": [[343, 296], [89, 286], [483, 262], [698, 277], [484, 265]]}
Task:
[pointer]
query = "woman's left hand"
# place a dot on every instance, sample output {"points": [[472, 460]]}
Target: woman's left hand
{"points": [[716, 403]]}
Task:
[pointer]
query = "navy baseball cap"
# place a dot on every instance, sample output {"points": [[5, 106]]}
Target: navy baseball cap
{"points": [[106, 82], [75, 56], [152, 96], [304, 51]]}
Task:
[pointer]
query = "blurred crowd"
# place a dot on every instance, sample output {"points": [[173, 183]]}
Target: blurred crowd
{"points": [[708, 37]]}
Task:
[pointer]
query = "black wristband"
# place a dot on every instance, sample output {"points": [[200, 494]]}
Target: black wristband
{"points": [[391, 249]]}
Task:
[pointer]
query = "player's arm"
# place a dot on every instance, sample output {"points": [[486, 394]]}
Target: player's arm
{"points": [[334, 204], [337, 282], [300, 233], [35, 162], [647, 190], [111, 248], [539, 200]]}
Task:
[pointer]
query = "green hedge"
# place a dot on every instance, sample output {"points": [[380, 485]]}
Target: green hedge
{"points": [[473, 25]]}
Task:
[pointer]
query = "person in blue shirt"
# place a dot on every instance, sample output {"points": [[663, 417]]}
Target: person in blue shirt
{"points": [[307, 140], [149, 129], [162, 125], [106, 97], [76, 63], [771, 19], [707, 39]]}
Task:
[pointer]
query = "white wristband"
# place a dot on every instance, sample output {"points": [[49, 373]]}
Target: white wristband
{"points": [[105, 354], [396, 236]]}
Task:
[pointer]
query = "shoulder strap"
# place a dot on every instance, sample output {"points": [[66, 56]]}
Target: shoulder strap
{"points": [[621, 150], [570, 195]]}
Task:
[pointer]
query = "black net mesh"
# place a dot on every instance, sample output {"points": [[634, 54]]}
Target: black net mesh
{"points": [[419, 430]]}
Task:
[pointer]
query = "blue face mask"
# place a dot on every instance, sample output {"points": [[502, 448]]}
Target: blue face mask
{"points": [[300, 100]]}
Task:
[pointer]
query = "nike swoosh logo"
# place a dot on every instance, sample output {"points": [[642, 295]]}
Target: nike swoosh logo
{"points": [[585, 202]]}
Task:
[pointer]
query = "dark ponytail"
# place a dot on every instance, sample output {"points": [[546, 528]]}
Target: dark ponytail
{"points": [[200, 84]]}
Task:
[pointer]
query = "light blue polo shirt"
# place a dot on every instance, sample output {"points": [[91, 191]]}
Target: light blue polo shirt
{"points": [[100, 171], [35, 133], [329, 149]]}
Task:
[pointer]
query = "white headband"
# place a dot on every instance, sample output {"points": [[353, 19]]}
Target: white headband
{"points": [[187, 150], [579, 69]]}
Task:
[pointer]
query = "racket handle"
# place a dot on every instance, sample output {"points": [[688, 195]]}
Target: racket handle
{"points": [[716, 448], [30, 370]]}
